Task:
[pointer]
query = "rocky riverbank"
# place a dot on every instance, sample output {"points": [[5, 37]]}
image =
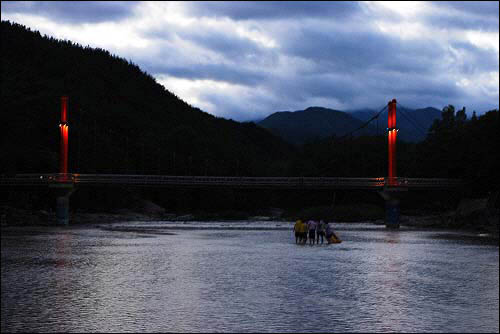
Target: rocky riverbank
{"points": [[479, 215], [10, 216], [472, 215]]}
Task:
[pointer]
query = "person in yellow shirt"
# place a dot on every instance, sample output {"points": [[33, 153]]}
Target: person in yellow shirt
{"points": [[298, 231], [303, 231]]}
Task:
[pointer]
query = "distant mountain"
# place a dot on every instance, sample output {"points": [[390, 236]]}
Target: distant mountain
{"points": [[256, 120], [413, 124], [362, 114], [301, 126]]}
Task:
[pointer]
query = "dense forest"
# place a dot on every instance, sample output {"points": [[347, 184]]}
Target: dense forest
{"points": [[122, 121]]}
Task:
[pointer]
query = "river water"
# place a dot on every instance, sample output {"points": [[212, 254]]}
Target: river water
{"points": [[246, 277]]}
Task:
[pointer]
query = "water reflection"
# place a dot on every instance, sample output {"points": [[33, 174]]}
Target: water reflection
{"points": [[392, 309], [63, 248]]}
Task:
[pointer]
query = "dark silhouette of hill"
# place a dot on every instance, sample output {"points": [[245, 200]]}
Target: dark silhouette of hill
{"points": [[314, 123], [121, 120]]}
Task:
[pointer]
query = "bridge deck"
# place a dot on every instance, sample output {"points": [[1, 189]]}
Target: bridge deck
{"points": [[223, 181]]}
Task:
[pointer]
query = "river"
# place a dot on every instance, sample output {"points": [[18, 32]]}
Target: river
{"points": [[246, 277]]}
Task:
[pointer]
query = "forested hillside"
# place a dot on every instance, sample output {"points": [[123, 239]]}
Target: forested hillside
{"points": [[121, 120]]}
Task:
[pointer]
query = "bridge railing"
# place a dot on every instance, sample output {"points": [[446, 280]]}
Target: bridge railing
{"points": [[223, 180], [431, 182], [35, 179], [194, 181]]}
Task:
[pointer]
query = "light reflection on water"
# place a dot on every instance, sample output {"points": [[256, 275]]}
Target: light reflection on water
{"points": [[240, 278]]}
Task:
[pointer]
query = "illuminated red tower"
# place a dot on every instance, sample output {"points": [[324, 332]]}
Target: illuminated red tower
{"points": [[63, 125], [392, 135]]}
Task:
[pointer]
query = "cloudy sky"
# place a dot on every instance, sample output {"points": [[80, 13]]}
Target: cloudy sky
{"points": [[245, 60]]}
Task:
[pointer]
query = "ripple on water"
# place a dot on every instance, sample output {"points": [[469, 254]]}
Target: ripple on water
{"points": [[235, 280]]}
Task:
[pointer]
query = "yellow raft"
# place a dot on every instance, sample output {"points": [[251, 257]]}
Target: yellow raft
{"points": [[333, 239]]}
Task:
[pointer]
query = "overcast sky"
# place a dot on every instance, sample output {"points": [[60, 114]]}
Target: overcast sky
{"points": [[245, 60]]}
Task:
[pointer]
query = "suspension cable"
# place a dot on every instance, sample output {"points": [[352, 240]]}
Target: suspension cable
{"points": [[364, 124], [412, 121], [414, 125]]}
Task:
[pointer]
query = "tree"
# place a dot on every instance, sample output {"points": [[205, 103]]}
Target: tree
{"points": [[474, 117], [461, 116], [448, 115]]}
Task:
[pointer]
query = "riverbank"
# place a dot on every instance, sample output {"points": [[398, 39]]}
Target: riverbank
{"points": [[10, 216], [480, 221]]}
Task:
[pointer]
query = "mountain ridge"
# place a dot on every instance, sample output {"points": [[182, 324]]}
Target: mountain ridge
{"points": [[312, 123]]}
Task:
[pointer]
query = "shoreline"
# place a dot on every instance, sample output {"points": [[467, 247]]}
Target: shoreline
{"points": [[445, 221]]}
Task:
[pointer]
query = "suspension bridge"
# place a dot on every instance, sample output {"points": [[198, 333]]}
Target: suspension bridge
{"points": [[63, 183]]}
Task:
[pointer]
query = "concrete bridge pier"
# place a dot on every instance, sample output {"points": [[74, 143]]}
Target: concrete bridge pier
{"points": [[62, 193], [392, 201], [392, 213]]}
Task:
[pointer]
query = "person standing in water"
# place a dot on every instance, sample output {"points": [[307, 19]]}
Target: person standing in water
{"points": [[297, 228], [303, 228], [312, 231], [320, 231]]}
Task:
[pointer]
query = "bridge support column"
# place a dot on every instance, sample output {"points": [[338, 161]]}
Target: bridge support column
{"points": [[62, 210], [392, 133], [64, 129], [392, 200], [62, 193], [392, 213], [64, 186]]}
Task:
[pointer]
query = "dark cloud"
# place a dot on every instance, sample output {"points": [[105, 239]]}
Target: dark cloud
{"points": [[355, 51], [472, 60], [73, 11], [245, 10], [226, 43], [340, 87], [362, 89], [242, 58], [218, 72], [481, 8], [231, 46], [461, 22], [465, 15]]}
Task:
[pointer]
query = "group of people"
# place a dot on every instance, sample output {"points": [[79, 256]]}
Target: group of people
{"points": [[313, 231]]}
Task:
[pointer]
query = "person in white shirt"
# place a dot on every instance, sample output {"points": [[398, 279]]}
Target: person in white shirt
{"points": [[312, 231]]}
